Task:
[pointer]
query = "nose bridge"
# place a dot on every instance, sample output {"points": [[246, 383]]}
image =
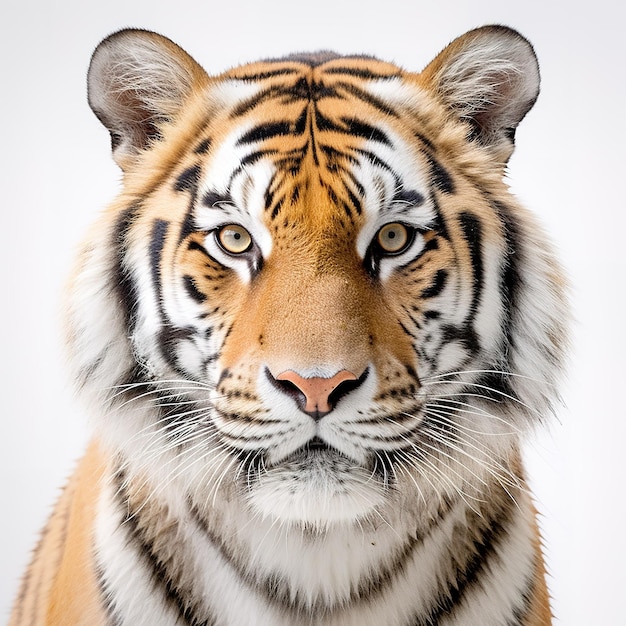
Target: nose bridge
{"points": [[316, 320]]}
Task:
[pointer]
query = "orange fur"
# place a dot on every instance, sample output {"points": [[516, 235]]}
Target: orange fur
{"points": [[60, 587]]}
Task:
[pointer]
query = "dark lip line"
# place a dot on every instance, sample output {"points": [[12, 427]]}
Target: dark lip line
{"points": [[316, 443], [314, 447]]}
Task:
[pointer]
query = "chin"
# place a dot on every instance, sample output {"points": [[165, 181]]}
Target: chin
{"points": [[317, 489]]}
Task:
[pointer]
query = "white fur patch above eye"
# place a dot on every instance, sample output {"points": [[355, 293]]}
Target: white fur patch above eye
{"points": [[225, 160], [232, 92], [245, 203], [398, 93]]}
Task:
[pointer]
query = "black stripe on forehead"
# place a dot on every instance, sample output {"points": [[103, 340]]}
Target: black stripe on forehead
{"points": [[312, 59], [440, 178], [321, 57], [361, 72], [188, 180], [302, 86], [268, 130], [359, 128]]}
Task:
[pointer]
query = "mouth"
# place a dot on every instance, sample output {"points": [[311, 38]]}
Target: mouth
{"points": [[315, 444], [316, 484], [315, 451]]}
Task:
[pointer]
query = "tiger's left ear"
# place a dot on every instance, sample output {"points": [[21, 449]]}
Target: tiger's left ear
{"points": [[138, 80], [489, 77]]}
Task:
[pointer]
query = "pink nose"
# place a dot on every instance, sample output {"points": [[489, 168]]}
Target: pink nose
{"points": [[316, 390]]}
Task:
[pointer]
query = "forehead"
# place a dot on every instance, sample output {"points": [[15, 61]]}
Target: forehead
{"points": [[325, 124]]}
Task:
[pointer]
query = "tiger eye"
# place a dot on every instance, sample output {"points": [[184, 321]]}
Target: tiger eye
{"points": [[392, 238], [234, 239]]}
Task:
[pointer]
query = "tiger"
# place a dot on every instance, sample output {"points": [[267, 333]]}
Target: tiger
{"points": [[312, 334]]}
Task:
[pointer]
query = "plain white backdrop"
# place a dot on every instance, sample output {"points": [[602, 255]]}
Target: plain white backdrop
{"points": [[569, 167]]}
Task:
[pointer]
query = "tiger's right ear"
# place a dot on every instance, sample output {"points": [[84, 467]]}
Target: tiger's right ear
{"points": [[490, 78], [138, 80]]}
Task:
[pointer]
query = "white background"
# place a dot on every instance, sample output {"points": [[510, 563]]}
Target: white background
{"points": [[569, 167]]}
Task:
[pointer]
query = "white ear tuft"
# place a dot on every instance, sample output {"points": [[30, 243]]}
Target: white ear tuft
{"points": [[136, 81], [490, 77]]}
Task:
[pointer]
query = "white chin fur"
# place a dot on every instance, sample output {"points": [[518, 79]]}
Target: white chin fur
{"points": [[320, 490]]}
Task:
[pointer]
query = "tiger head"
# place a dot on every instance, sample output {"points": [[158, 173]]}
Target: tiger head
{"points": [[315, 294]]}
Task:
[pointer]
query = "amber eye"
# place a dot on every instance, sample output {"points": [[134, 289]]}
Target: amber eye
{"points": [[393, 238], [234, 239]]}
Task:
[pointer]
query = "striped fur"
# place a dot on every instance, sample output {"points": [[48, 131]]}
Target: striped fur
{"points": [[313, 330]]}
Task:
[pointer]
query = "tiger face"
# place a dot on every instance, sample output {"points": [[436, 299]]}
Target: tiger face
{"points": [[315, 294]]}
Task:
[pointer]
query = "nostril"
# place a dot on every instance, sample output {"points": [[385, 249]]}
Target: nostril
{"points": [[316, 396], [345, 387], [288, 388]]}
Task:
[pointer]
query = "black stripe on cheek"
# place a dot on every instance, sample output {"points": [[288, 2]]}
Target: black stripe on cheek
{"points": [[192, 290], [510, 278], [463, 334], [496, 386], [157, 241], [472, 232], [436, 287], [170, 335], [123, 282]]}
